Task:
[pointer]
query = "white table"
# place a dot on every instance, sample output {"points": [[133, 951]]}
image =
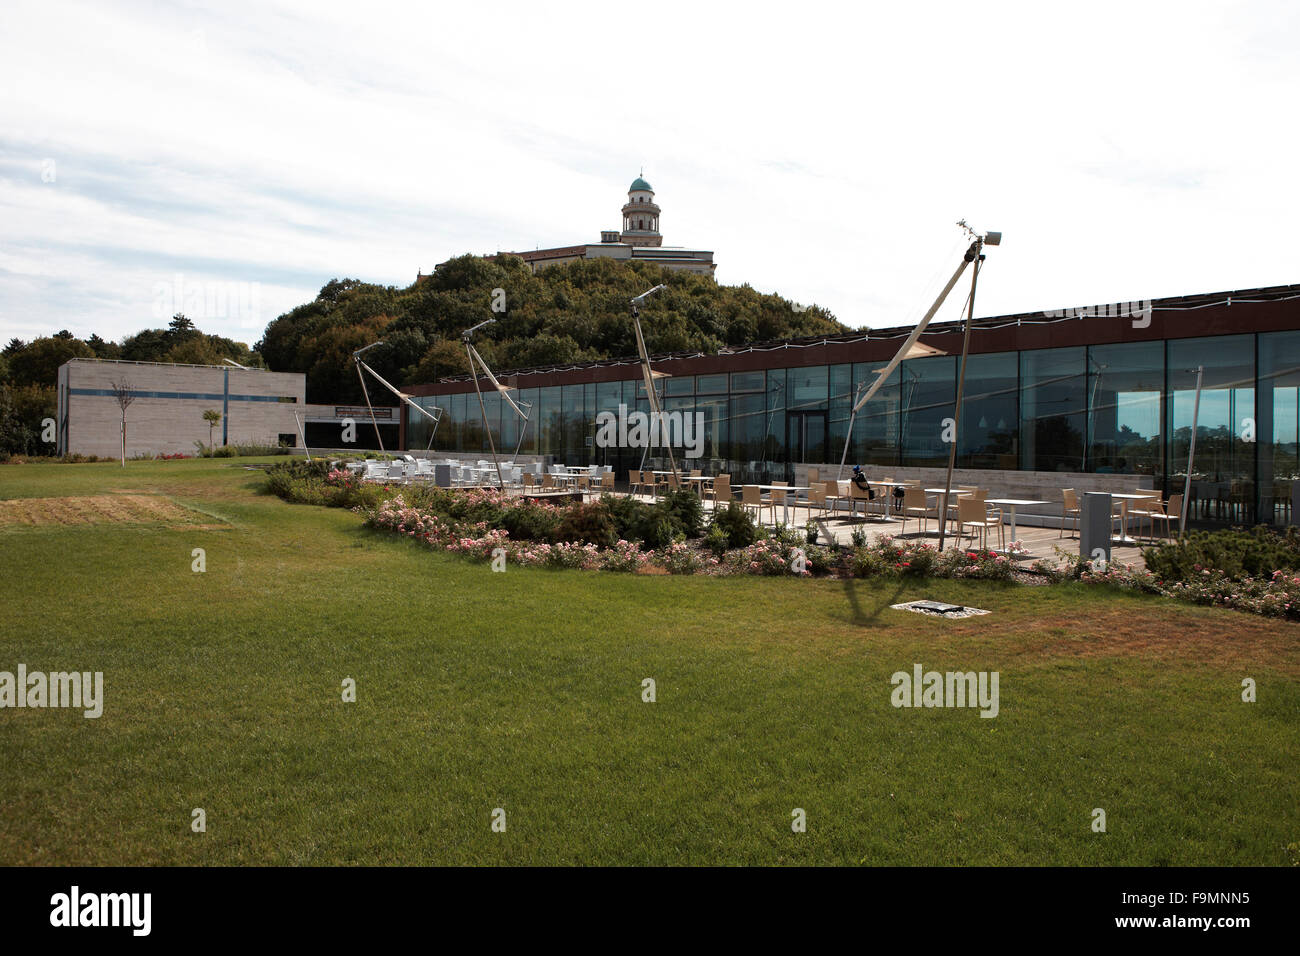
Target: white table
{"points": [[1012, 504], [1124, 499], [786, 502]]}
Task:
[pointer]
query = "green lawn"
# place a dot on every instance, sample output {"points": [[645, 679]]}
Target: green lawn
{"points": [[522, 691]]}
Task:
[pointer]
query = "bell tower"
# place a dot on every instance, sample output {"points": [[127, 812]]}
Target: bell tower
{"points": [[641, 216]]}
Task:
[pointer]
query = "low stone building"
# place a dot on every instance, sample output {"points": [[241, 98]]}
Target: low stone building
{"points": [[165, 416]]}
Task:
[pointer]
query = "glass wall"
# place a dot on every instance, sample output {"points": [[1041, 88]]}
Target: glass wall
{"points": [[1223, 471], [989, 429], [1125, 384], [1053, 409], [929, 387], [876, 429], [1277, 427], [1123, 408]]}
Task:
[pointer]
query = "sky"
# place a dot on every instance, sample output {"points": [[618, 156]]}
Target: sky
{"points": [[229, 159]]}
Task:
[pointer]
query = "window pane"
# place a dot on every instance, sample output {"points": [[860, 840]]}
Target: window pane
{"points": [[841, 402], [875, 431], [989, 413], [680, 385], [1053, 409], [1223, 473], [929, 390], [1278, 427], [1125, 383]]}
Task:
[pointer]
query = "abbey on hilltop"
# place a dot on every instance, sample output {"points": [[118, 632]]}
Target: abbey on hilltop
{"points": [[638, 240]]}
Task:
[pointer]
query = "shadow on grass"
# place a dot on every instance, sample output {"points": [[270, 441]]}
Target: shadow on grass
{"points": [[860, 618]]}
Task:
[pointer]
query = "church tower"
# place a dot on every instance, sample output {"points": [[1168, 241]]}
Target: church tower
{"points": [[641, 216]]}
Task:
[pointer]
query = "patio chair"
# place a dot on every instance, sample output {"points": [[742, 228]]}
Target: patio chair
{"points": [[816, 497], [831, 497], [778, 496], [1171, 512], [857, 494], [1146, 509], [1070, 511], [916, 504], [720, 493], [974, 514], [751, 496]]}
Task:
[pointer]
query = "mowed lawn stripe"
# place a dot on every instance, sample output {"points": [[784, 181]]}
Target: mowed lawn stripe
{"points": [[523, 691]]}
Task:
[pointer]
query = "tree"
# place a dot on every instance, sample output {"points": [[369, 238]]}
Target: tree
{"points": [[124, 394], [38, 363], [213, 418]]}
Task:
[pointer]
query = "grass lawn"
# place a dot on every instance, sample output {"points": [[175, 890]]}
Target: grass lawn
{"points": [[522, 691]]}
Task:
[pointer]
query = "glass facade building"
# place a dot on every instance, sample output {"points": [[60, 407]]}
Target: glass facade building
{"points": [[1110, 398]]}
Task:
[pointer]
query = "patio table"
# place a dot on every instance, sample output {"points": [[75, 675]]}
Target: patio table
{"points": [[1012, 504]]}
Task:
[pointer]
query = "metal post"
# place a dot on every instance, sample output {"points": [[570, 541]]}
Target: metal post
{"points": [[1191, 453], [469, 353], [978, 253]]}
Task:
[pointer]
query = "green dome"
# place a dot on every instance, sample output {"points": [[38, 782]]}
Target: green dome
{"points": [[640, 184]]}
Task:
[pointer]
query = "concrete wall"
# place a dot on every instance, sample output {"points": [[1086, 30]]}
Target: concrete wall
{"points": [[171, 420]]}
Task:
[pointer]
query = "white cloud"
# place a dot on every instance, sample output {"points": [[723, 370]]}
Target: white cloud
{"points": [[823, 152]]}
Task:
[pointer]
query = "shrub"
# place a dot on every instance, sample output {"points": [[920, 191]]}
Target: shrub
{"points": [[680, 558], [1237, 554], [736, 524], [685, 509], [588, 523], [716, 540], [531, 521], [626, 557], [820, 560]]}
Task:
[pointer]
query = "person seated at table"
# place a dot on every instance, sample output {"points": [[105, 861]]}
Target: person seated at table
{"points": [[860, 479]]}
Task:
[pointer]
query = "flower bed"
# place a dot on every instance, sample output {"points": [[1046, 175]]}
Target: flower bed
{"points": [[624, 535]]}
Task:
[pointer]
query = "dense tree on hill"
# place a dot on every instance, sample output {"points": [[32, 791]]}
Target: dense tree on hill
{"points": [[561, 315]]}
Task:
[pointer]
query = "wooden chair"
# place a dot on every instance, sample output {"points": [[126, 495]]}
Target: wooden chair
{"points": [[752, 497], [779, 496], [832, 497], [917, 505], [972, 513], [720, 493], [816, 497], [1146, 509], [1070, 511], [1172, 511], [857, 494]]}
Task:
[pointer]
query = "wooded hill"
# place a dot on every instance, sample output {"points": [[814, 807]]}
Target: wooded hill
{"points": [[561, 315]]}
